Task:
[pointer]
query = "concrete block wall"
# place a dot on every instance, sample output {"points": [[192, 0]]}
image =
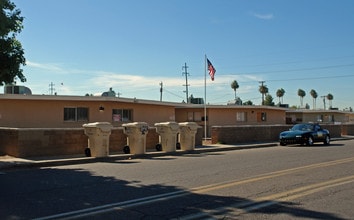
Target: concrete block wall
{"points": [[347, 129], [8, 139], [334, 130], [41, 142], [257, 133], [36, 142], [246, 133]]}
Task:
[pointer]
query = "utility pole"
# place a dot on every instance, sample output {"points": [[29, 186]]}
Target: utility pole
{"points": [[324, 101], [51, 88], [262, 84], [161, 85], [186, 85]]}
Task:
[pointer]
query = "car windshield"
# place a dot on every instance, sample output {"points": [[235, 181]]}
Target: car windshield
{"points": [[302, 127]]}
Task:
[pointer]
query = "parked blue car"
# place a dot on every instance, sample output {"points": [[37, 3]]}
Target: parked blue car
{"points": [[307, 133]]}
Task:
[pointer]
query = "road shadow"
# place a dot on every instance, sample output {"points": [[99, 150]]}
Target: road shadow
{"points": [[35, 193], [316, 145]]}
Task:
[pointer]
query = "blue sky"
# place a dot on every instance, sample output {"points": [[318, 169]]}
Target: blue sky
{"points": [[88, 46]]}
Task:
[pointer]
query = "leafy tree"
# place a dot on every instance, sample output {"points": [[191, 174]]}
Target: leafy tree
{"points": [[330, 98], [11, 51], [264, 90], [280, 94], [234, 86], [268, 100], [249, 102], [302, 94]]}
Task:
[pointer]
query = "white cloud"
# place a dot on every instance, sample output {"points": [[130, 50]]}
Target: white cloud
{"points": [[263, 16], [70, 81], [45, 66]]}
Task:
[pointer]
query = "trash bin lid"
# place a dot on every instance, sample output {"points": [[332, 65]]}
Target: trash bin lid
{"points": [[135, 124], [104, 126], [191, 125], [171, 124]]}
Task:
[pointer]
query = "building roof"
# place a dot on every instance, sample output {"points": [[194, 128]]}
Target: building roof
{"points": [[315, 111], [84, 98], [154, 102]]}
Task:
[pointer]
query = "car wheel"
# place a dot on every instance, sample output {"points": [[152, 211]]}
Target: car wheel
{"points": [[282, 143], [309, 141], [327, 140]]}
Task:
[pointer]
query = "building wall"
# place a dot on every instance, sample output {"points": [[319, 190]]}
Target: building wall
{"points": [[317, 116], [49, 113], [230, 115]]}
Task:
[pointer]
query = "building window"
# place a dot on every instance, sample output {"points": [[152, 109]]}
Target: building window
{"points": [[198, 116], [195, 116], [241, 116], [122, 115], [75, 114], [190, 116]]}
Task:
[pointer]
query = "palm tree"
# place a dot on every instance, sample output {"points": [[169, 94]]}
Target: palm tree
{"points": [[314, 96], [302, 94], [234, 86], [264, 90], [280, 94], [330, 98]]}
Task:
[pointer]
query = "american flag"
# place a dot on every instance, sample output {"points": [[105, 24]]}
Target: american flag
{"points": [[211, 69]]}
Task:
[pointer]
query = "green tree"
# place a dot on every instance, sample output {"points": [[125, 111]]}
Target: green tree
{"points": [[249, 102], [268, 100], [280, 94], [302, 94], [263, 89], [330, 98], [11, 51], [234, 86], [314, 96]]}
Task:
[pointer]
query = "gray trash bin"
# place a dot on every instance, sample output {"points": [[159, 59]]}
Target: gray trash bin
{"points": [[136, 139], [98, 138], [168, 135], [187, 135]]}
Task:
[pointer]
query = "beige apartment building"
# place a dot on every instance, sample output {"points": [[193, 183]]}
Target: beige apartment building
{"points": [[46, 111]]}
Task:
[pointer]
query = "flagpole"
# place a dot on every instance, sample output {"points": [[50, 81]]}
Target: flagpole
{"points": [[205, 116]]}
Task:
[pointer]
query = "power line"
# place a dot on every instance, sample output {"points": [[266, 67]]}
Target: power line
{"points": [[313, 78], [173, 94], [292, 79], [293, 70], [295, 62]]}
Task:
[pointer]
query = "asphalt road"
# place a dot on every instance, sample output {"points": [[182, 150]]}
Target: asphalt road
{"points": [[293, 182]]}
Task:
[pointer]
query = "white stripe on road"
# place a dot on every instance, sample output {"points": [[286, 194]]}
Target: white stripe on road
{"points": [[114, 206]]}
